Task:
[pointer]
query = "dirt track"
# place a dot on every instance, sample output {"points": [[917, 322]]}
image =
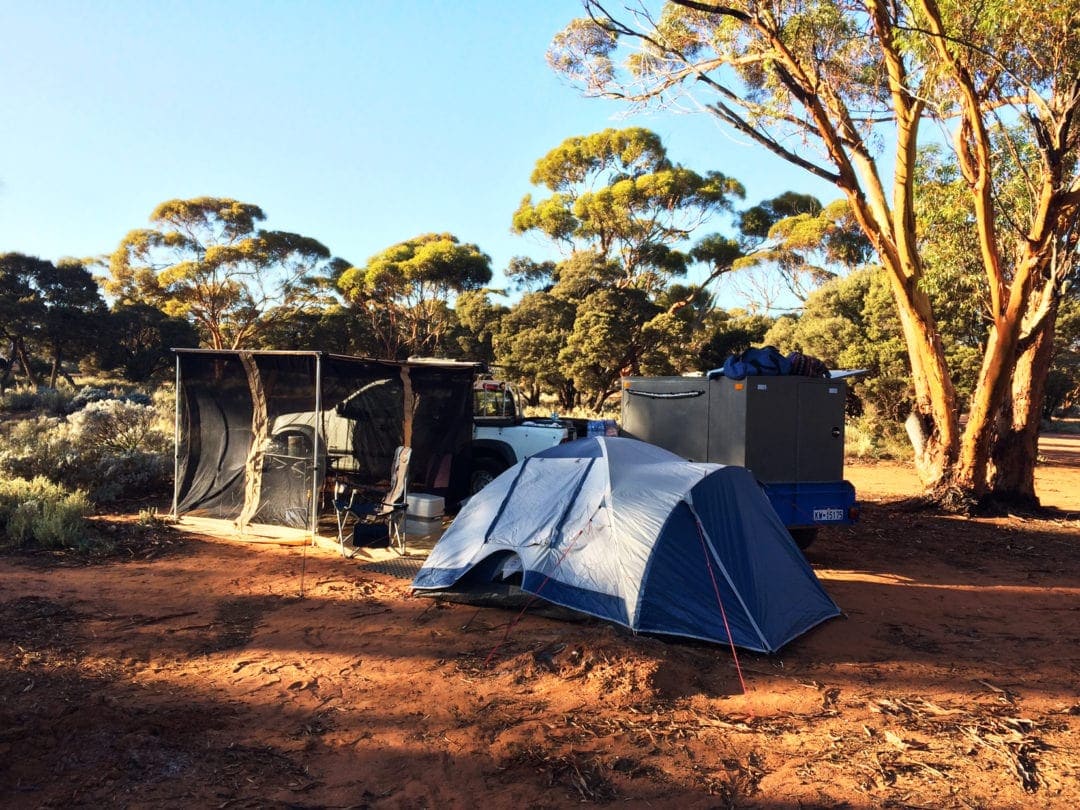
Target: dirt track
{"points": [[195, 675]]}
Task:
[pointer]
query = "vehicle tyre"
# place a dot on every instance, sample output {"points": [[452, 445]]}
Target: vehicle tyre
{"points": [[483, 473], [803, 537]]}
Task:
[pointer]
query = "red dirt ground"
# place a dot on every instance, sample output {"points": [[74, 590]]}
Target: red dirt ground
{"points": [[203, 672]]}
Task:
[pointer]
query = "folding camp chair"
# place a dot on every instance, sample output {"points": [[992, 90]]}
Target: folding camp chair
{"points": [[360, 512]]}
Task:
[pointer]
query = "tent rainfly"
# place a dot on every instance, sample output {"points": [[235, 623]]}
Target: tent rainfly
{"points": [[633, 534]]}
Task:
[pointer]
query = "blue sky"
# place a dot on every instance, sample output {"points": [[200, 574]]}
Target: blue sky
{"points": [[360, 124]]}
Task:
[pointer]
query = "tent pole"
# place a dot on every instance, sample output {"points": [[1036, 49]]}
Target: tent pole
{"points": [[176, 444], [316, 484]]}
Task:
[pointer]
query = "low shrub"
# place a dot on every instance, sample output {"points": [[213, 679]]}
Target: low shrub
{"points": [[111, 449], [93, 394], [869, 437], [40, 400], [41, 513], [118, 424]]}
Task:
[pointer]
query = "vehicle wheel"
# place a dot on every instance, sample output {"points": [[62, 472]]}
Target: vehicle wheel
{"points": [[803, 537], [483, 473]]}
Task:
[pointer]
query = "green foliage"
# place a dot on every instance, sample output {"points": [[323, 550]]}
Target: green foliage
{"points": [[118, 426], [41, 513], [804, 243], [621, 208], [48, 313], [44, 400], [607, 340], [526, 274], [206, 259], [74, 312], [758, 220], [851, 323], [949, 246], [333, 328], [978, 266], [529, 340], [137, 340], [870, 437], [728, 333], [478, 324], [404, 291], [1063, 382], [616, 193], [21, 308]]}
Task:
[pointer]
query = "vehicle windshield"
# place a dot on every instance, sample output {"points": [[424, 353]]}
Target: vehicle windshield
{"points": [[493, 400]]}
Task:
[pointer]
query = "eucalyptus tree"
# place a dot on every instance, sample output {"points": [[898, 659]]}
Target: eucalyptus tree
{"points": [[48, 311], [138, 339], [728, 332], [206, 259], [21, 311], [478, 321], [842, 91], [528, 344], [622, 213], [1063, 381], [613, 329], [803, 241], [405, 291], [526, 274], [616, 193], [75, 313], [851, 322], [331, 327]]}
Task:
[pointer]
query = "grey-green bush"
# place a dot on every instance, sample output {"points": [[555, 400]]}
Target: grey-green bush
{"points": [[41, 513], [45, 400], [111, 449]]}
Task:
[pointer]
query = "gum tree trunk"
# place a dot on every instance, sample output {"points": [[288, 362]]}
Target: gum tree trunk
{"points": [[1015, 452]]}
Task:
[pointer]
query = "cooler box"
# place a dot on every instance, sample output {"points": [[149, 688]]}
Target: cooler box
{"points": [[423, 505]]}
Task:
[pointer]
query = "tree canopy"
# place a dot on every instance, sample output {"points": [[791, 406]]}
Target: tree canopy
{"points": [[207, 259], [48, 310], [623, 214], [842, 91], [617, 193], [405, 290]]}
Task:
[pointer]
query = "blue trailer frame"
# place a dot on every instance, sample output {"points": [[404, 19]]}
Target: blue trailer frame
{"points": [[807, 504]]}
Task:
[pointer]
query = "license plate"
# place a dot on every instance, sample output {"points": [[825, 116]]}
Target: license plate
{"points": [[828, 515]]}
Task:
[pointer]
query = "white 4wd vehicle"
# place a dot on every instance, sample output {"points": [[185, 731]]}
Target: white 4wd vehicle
{"points": [[501, 437]]}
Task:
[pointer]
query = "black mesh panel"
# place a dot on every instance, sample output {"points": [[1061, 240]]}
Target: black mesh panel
{"points": [[361, 422]]}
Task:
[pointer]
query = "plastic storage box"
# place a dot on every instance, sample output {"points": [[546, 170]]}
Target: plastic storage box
{"points": [[423, 505]]}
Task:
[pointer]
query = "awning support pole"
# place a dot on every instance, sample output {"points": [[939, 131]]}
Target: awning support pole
{"points": [[176, 445], [316, 482]]}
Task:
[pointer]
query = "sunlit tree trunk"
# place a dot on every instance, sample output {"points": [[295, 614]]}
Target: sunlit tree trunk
{"points": [[774, 70], [934, 423], [1015, 451]]}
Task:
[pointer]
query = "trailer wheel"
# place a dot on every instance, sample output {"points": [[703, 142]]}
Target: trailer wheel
{"points": [[803, 537], [483, 473]]}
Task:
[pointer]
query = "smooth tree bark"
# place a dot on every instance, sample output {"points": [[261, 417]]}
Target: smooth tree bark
{"points": [[842, 76]]}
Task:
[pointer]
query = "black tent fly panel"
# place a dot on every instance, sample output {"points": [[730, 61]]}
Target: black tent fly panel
{"points": [[258, 433]]}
